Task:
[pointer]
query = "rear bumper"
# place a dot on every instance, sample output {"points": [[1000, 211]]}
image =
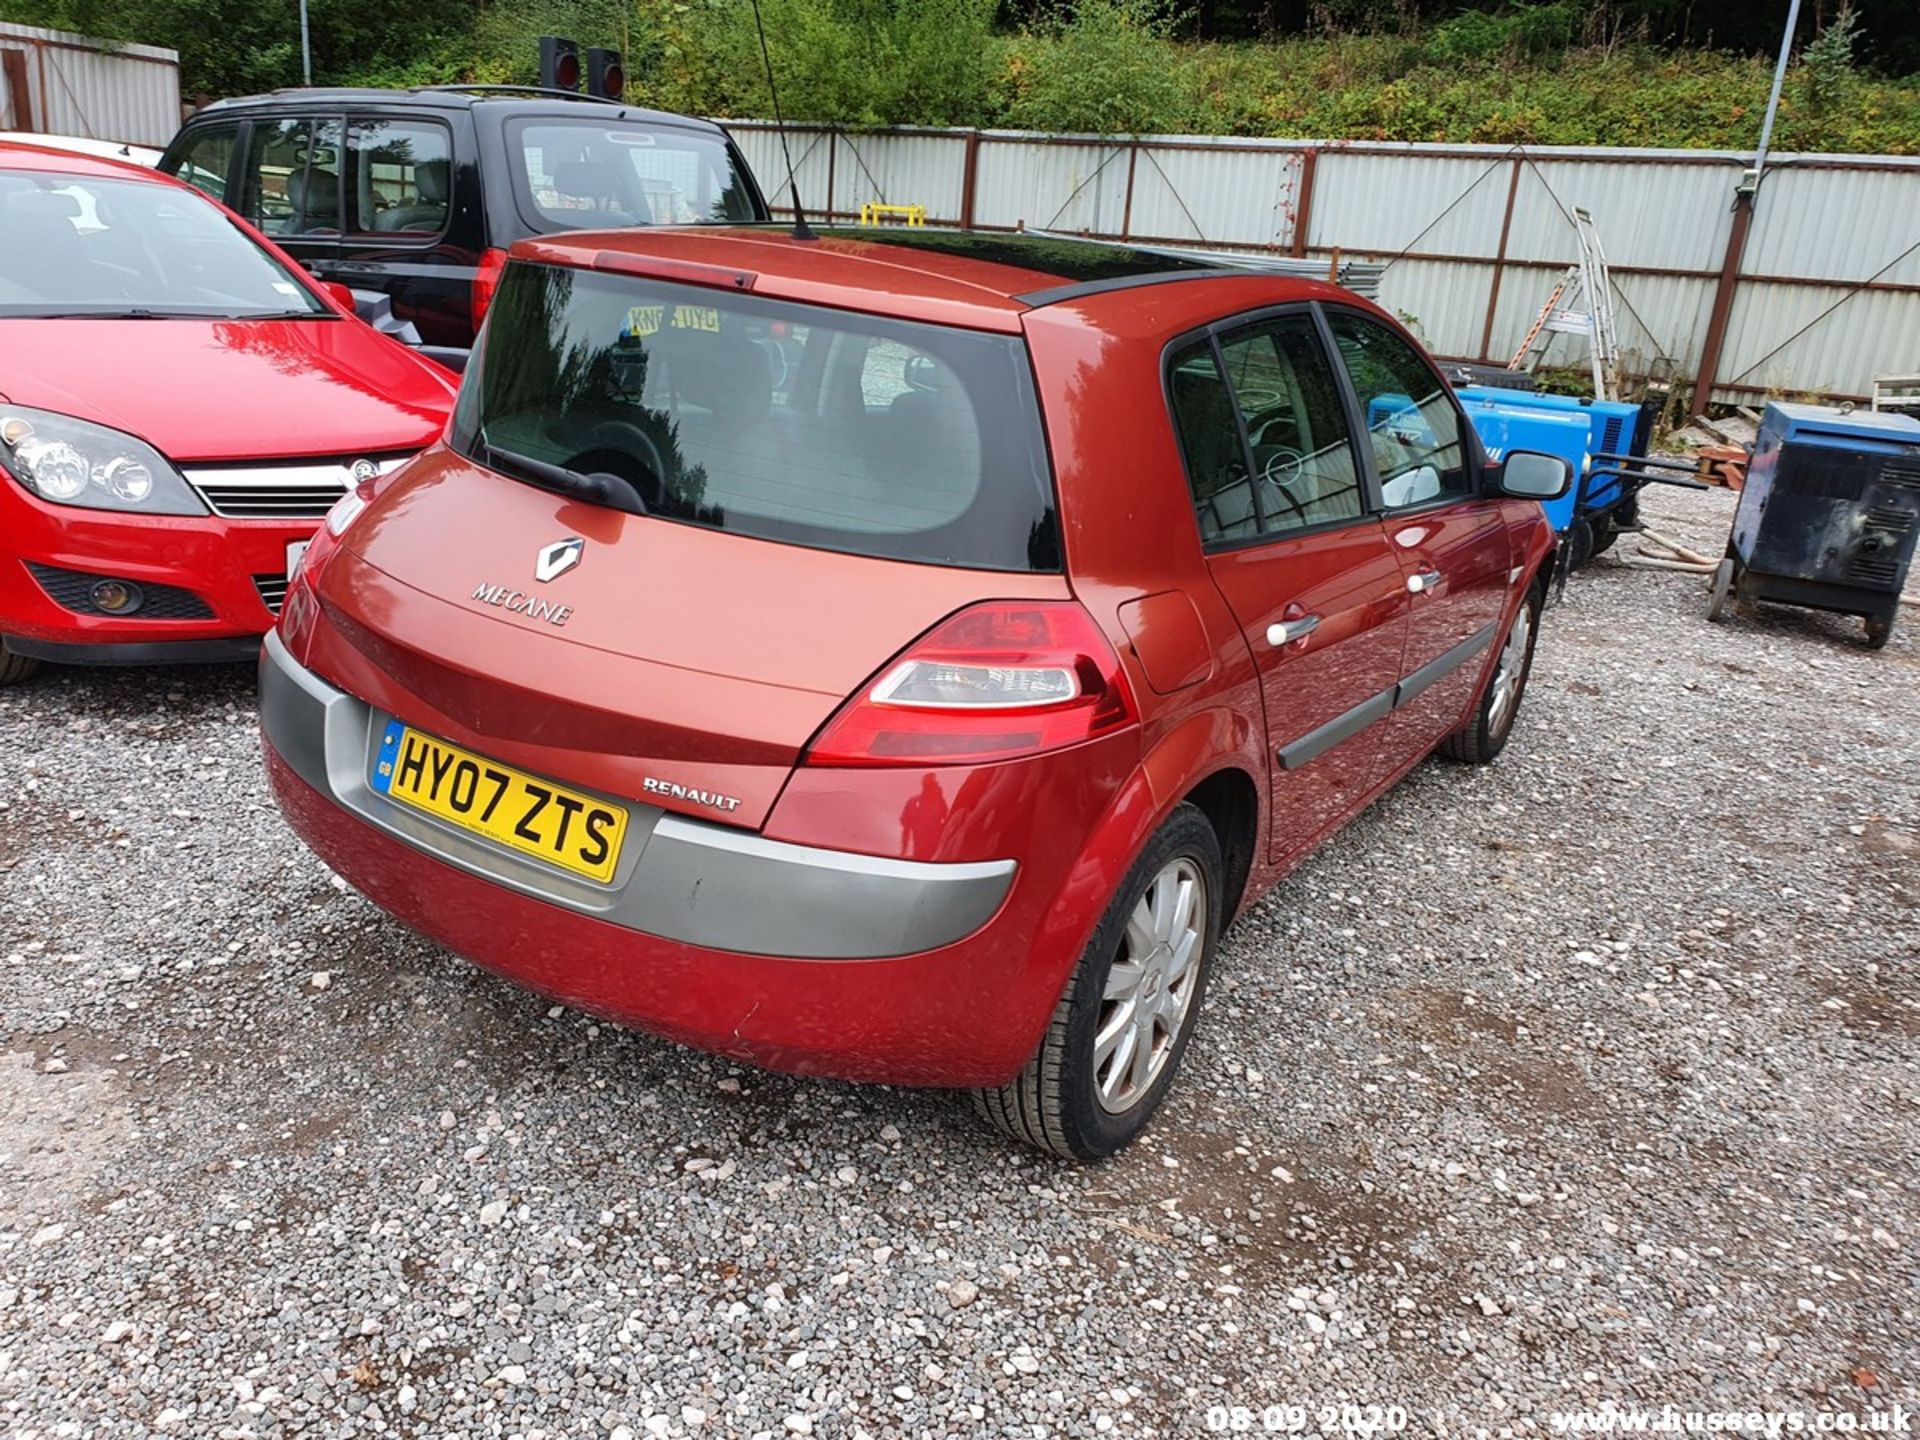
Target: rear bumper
{"points": [[695, 883], [819, 997]]}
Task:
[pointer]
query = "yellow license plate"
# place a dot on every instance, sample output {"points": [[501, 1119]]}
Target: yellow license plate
{"points": [[527, 815]]}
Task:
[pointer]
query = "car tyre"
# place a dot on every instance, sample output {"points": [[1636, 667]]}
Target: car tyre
{"points": [[15, 667], [1085, 1093], [1485, 735]]}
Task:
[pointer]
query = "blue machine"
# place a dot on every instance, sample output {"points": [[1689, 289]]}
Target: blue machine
{"points": [[1595, 437], [1503, 428], [1829, 517]]}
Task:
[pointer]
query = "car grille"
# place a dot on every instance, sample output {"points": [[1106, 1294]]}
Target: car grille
{"points": [[72, 588], [273, 591], [298, 490]]}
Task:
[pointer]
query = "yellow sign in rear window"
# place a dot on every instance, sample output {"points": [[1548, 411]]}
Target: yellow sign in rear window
{"points": [[645, 320]]}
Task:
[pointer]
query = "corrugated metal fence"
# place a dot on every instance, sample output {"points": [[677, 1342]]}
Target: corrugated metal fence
{"points": [[61, 84], [1826, 296]]}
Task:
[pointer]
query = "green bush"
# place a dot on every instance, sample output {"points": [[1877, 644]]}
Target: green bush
{"points": [[1108, 68], [1529, 31], [849, 62]]}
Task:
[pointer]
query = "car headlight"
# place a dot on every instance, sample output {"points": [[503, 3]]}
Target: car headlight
{"points": [[76, 462]]}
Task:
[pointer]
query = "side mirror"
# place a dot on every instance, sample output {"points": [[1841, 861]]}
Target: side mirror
{"points": [[1534, 475], [342, 295]]}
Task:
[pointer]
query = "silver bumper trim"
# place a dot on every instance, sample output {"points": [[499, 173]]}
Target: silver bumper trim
{"points": [[679, 879]]}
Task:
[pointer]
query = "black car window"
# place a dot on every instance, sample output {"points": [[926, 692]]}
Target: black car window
{"points": [[206, 158], [585, 174], [401, 177], [1203, 417], [1295, 423], [790, 422], [293, 178], [1418, 445]]}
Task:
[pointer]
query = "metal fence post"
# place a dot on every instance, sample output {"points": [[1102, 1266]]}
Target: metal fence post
{"points": [[1500, 263], [1723, 293], [833, 132], [1303, 209], [969, 177]]}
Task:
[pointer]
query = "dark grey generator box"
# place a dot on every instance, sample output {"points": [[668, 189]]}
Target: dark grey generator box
{"points": [[1829, 517]]}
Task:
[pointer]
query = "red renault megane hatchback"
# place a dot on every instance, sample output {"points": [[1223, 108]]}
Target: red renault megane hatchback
{"points": [[899, 658], [179, 405]]}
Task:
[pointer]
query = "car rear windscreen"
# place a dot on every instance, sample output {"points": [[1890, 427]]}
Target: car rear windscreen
{"points": [[787, 422], [592, 174]]}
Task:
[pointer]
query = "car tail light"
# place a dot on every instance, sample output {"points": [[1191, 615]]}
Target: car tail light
{"points": [[996, 681], [486, 280]]}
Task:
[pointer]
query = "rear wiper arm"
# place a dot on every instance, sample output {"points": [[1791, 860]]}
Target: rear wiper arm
{"points": [[599, 488]]}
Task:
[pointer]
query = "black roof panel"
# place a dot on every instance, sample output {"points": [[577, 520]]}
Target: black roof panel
{"points": [[1075, 261]]}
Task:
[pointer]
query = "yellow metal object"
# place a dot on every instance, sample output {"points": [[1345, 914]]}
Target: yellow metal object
{"points": [[877, 214]]}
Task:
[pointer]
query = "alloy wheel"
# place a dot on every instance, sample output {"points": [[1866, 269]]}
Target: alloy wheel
{"points": [[1506, 678], [1150, 986]]}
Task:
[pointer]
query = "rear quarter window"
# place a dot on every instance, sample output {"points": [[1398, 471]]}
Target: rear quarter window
{"points": [[787, 422]]}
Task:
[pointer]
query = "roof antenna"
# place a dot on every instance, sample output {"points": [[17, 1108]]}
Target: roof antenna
{"points": [[800, 228]]}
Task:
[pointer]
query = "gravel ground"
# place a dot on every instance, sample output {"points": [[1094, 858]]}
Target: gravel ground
{"points": [[1591, 1076]]}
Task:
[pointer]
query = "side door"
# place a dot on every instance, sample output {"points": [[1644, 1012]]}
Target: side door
{"points": [[290, 186], [397, 224], [1281, 498], [1448, 539]]}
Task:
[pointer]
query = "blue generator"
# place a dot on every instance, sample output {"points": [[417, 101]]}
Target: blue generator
{"points": [[1604, 499], [1829, 516], [1503, 428]]}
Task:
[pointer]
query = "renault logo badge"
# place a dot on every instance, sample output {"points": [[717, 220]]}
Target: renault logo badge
{"points": [[558, 558]]}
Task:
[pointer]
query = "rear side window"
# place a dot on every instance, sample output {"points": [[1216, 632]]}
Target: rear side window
{"points": [[591, 175], [1267, 443], [402, 173], [1295, 423], [206, 159], [820, 427]]}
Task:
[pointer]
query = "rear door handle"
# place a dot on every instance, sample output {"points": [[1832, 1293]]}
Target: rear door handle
{"points": [[1424, 582], [1285, 632]]}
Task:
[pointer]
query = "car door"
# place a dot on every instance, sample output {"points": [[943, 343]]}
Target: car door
{"points": [[1281, 500], [291, 186], [1448, 539], [399, 183]]}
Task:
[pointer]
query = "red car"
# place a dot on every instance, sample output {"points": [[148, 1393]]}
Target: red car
{"points": [[179, 405], [899, 658]]}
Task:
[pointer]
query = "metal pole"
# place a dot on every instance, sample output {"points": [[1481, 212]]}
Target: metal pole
{"points": [[1779, 76], [1743, 197], [306, 49]]}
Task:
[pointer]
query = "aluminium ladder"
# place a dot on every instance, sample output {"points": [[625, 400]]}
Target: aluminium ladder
{"points": [[1581, 303]]}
